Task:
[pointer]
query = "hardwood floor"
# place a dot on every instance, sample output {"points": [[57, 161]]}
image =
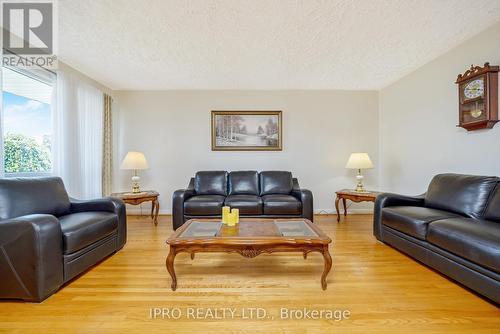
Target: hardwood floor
{"points": [[384, 291]]}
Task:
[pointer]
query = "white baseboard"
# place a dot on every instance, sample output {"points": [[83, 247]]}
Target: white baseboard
{"points": [[349, 211], [136, 211]]}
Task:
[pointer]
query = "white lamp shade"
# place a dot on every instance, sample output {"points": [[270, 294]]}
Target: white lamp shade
{"points": [[359, 161], [134, 160]]}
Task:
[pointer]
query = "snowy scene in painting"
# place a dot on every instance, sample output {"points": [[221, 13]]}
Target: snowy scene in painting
{"points": [[247, 130]]}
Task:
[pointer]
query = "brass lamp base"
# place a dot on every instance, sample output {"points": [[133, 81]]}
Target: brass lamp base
{"points": [[359, 185], [360, 189], [135, 183]]}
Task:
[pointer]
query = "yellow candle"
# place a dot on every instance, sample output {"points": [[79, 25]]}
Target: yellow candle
{"points": [[231, 219], [236, 213], [225, 213]]}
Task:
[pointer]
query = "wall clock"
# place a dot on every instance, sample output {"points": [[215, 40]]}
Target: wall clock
{"points": [[478, 97]]}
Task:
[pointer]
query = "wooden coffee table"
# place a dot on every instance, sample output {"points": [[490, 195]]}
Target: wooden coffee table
{"points": [[249, 238]]}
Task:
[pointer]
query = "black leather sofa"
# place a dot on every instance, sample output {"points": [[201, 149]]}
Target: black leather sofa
{"points": [[46, 238], [268, 194], [454, 228]]}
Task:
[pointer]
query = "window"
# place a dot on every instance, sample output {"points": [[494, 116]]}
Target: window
{"points": [[27, 122]]}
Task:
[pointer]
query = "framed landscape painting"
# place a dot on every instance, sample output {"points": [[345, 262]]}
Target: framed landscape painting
{"points": [[246, 131]]}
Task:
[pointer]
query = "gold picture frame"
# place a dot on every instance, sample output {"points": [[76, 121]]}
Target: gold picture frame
{"points": [[247, 130]]}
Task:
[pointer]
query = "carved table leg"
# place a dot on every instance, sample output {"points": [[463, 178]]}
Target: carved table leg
{"points": [[337, 208], [152, 208], [305, 255], [157, 210], [328, 266], [345, 206], [192, 256], [170, 267]]}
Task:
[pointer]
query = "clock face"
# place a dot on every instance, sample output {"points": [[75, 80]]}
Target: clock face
{"points": [[474, 89]]}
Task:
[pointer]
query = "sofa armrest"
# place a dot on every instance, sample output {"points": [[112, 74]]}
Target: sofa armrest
{"points": [[388, 199], [178, 199], [107, 204], [31, 253], [100, 204], [306, 197]]}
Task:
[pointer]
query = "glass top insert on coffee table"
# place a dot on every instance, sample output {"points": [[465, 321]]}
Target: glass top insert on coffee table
{"points": [[296, 228], [249, 228], [202, 229]]}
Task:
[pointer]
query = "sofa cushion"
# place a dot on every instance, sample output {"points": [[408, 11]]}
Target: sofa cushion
{"points": [[247, 204], [84, 228], [493, 209], [463, 194], [281, 205], [275, 182], [25, 196], [202, 205], [475, 240], [243, 183], [210, 183], [412, 220]]}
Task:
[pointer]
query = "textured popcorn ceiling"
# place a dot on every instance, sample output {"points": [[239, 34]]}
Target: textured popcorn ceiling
{"points": [[262, 44]]}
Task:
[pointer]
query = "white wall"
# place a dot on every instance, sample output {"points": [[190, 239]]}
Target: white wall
{"points": [[418, 117], [320, 130]]}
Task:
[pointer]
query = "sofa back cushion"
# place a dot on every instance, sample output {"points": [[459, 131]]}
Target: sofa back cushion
{"points": [[275, 182], [463, 194], [493, 208], [25, 196], [243, 183], [210, 183]]}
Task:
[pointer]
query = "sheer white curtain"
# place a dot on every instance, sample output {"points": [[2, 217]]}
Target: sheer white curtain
{"points": [[78, 135], [2, 166]]}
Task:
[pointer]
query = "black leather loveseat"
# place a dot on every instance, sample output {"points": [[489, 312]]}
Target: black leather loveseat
{"points": [[46, 238], [271, 194], [454, 228]]}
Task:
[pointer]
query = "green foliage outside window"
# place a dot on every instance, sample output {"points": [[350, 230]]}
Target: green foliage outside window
{"points": [[24, 155]]}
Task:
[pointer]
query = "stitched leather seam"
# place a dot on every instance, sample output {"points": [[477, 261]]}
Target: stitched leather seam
{"points": [[490, 197]]}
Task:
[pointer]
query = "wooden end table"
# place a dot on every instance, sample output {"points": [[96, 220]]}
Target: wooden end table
{"points": [[143, 196], [249, 238], [354, 196]]}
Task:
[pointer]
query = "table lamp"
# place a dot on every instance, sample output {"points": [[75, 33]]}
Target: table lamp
{"points": [[359, 161], [135, 161]]}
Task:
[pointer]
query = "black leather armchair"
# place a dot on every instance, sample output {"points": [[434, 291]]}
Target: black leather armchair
{"points": [[454, 228], [271, 194], [46, 238]]}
